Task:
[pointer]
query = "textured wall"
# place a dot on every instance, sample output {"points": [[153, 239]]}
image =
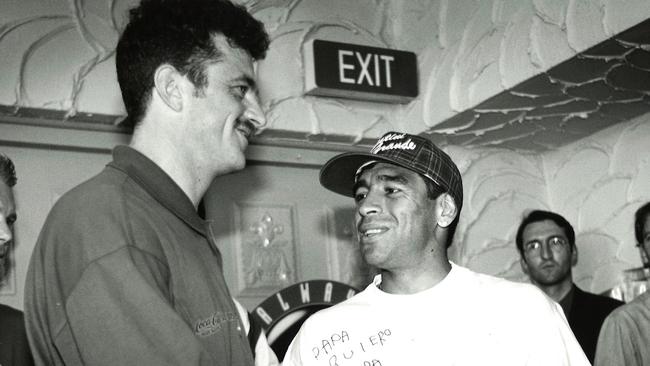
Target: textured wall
{"points": [[597, 184], [59, 54]]}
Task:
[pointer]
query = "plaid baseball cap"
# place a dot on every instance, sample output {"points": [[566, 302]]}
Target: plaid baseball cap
{"points": [[412, 152]]}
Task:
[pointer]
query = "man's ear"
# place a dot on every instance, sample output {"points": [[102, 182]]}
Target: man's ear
{"points": [[524, 265], [447, 210], [574, 256], [168, 87]]}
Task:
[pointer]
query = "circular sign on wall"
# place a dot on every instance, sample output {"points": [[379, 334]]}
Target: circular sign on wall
{"points": [[282, 313]]}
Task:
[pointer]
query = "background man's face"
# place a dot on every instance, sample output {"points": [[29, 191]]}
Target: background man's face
{"points": [[7, 218], [545, 259]]}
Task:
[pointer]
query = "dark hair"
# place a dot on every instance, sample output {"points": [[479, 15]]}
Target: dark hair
{"points": [[639, 221], [434, 191], [540, 215], [179, 33], [7, 171]]}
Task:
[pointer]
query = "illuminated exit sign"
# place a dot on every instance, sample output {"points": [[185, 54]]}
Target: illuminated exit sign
{"points": [[353, 71]]}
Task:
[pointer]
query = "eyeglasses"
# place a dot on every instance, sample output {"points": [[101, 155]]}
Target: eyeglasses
{"points": [[556, 243]]}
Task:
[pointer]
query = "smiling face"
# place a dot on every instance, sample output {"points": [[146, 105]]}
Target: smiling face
{"points": [[395, 219], [547, 254], [222, 116], [7, 219]]}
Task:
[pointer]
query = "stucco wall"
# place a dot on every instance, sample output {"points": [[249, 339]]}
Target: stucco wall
{"points": [[597, 184], [60, 54]]}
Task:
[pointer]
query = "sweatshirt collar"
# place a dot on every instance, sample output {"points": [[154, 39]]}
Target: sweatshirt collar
{"points": [[158, 184]]}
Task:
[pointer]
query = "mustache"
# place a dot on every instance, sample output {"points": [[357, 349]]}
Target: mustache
{"points": [[247, 126], [548, 263]]}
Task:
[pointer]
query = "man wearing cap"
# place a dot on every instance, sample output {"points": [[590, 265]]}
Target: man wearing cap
{"points": [[422, 309]]}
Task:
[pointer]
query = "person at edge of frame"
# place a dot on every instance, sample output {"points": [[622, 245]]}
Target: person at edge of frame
{"points": [[624, 339], [14, 347]]}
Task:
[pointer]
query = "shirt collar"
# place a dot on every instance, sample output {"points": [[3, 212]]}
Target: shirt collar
{"points": [[158, 184], [376, 280]]}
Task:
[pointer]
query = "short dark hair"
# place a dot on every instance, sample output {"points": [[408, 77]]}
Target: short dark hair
{"points": [[541, 215], [7, 171], [179, 33], [639, 221]]}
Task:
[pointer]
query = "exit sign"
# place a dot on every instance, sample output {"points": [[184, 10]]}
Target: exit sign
{"points": [[353, 71]]}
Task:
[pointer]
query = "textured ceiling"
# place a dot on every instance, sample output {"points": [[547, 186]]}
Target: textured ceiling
{"points": [[605, 85], [602, 86]]}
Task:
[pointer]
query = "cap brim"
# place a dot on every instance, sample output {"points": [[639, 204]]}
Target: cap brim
{"points": [[338, 173]]}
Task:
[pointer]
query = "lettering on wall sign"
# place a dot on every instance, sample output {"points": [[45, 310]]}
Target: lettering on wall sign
{"points": [[360, 72], [361, 67], [282, 313], [319, 293]]}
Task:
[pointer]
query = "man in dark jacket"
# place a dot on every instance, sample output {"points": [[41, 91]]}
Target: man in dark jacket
{"points": [[546, 243], [14, 349]]}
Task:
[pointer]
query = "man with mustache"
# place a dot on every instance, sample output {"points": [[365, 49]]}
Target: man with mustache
{"points": [[421, 309], [125, 271], [546, 243]]}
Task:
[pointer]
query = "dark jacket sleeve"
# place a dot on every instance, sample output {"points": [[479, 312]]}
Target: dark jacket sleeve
{"points": [[588, 312], [14, 348]]}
